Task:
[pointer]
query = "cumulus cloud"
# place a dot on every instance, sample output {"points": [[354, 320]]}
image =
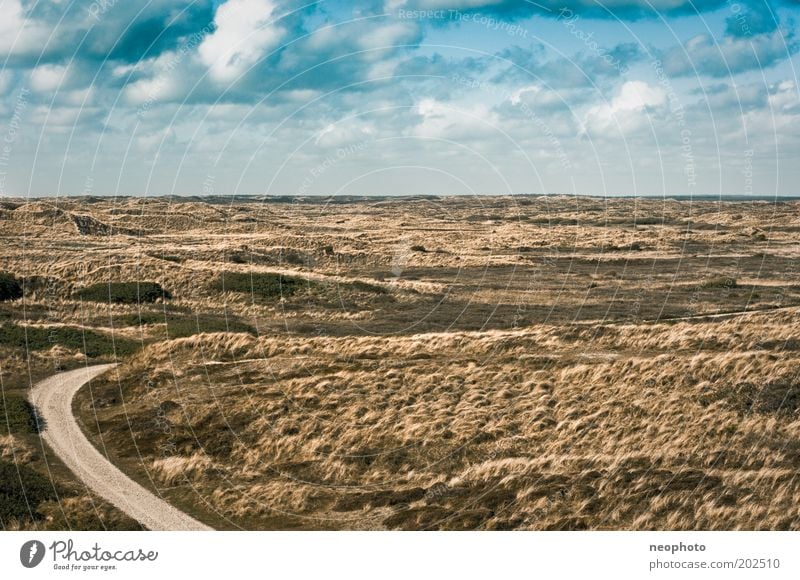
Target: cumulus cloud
{"points": [[47, 77], [20, 34], [245, 30], [627, 111], [439, 120], [314, 68]]}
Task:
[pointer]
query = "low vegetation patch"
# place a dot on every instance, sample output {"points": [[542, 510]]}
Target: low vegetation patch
{"points": [[724, 282], [261, 285], [22, 490], [92, 344], [123, 292], [780, 397], [183, 325], [360, 286], [16, 416]]}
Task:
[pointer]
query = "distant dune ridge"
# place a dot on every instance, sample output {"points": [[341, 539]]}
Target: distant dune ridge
{"points": [[535, 363]]}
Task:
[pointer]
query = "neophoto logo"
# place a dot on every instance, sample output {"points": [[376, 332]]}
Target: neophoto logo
{"points": [[31, 553]]}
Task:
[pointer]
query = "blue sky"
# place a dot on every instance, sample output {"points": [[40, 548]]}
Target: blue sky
{"points": [[658, 97]]}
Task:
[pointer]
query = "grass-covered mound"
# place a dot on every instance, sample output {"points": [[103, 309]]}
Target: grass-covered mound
{"points": [[92, 344], [10, 287], [123, 292]]}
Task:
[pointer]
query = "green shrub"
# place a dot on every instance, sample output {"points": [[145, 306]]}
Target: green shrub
{"points": [[10, 287], [123, 292], [22, 490], [260, 285], [17, 416], [719, 282], [91, 343]]}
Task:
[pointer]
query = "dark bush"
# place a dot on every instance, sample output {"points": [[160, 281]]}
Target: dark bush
{"points": [[238, 258], [22, 490], [293, 256], [418, 248], [725, 282], [260, 285], [10, 287], [123, 292], [17, 416]]}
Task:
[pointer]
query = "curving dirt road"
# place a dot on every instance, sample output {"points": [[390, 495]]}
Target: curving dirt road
{"points": [[52, 399]]}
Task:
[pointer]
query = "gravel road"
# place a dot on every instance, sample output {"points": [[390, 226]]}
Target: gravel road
{"points": [[53, 401]]}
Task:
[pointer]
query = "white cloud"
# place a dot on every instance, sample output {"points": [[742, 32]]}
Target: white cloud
{"points": [[349, 132], [627, 111], [163, 83], [18, 34], [244, 32], [387, 37], [443, 121], [48, 77]]}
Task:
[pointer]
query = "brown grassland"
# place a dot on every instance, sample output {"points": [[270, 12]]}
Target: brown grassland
{"points": [[529, 362]]}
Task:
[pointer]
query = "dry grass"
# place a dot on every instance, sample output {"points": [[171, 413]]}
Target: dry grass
{"points": [[546, 363]]}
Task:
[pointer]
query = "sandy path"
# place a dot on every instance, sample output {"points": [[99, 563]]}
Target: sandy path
{"points": [[53, 401]]}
